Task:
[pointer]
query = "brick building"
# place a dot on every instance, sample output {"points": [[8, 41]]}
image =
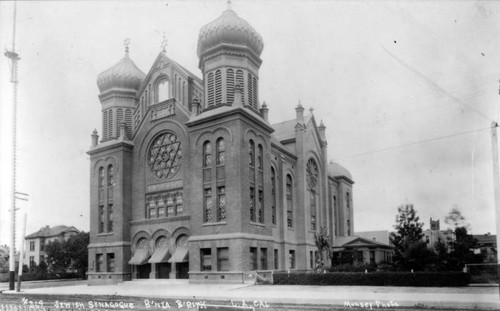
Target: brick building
{"points": [[190, 180]]}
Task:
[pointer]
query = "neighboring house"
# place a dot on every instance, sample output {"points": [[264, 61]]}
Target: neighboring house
{"points": [[362, 250], [35, 242], [487, 244], [189, 178]]}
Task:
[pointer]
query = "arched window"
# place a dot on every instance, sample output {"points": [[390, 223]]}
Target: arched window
{"points": [[184, 93], [221, 159], [211, 90], [289, 201], [218, 87], [128, 122], [250, 90], [251, 153], [347, 201], [178, 95], [273, 196], [119, 120], [260, 158], [163, 90], [111, 184], [110, 123], [207, 154], [312, 183], [105, 124], [230, 85], [240, 82], [254, 92]]}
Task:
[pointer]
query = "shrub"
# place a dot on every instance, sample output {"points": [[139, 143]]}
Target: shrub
{"points": [[374, 279]]}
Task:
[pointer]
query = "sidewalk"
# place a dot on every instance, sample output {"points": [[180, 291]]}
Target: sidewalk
{"points": [[482, 298]]}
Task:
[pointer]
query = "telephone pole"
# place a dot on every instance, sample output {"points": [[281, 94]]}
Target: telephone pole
{"points": [[496, 186], [14, 57]]}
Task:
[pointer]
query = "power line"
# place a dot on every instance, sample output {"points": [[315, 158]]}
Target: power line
{"points": [[413, 143]]}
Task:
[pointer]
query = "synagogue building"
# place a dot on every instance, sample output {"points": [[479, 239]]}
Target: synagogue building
{"points": [[190, 180]]}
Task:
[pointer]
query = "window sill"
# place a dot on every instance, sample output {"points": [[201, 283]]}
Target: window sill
{"points": [[219, 223], [291, 228], [258, 224], [105, 234]]}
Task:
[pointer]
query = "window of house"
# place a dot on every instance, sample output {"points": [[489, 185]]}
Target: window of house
{"points": [[260, 206], [260, 158], [252, 204], [178, 204], [211, 90], [263, 258], [32, 261], [207, 154], [163, 90], [101, 222], [101, 184], [253, 258], [42, 244], [218, 87], [32, 245], [276, 260], [221, 148], [111, 262], [312, 187], [273, 196], [289, 200], [372, 257], [221, 203], [230, 86], [222, 259], [110, 217], [206, 259], [208, 204], [100, 262], [291, 259], [251, 153], [348, 226]]}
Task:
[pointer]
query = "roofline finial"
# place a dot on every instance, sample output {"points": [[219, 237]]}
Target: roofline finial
{"points": [[126, 43], [229, 4], [164, 43]]}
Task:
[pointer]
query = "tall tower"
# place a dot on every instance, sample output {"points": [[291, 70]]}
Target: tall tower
{"points": [[229, 51], [110, 181], [231, 168]]}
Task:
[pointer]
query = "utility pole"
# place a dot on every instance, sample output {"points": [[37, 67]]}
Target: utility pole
{"points": [[496, 187], [14, 57]]}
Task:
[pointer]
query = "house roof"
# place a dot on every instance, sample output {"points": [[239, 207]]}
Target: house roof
{"points": [[357, 241], [485, 238], [46, 232], [286, 130]]}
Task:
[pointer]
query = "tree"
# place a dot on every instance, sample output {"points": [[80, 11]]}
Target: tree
{"points": [[408, 233], [323, 243], [455, 219], [68, 254]]}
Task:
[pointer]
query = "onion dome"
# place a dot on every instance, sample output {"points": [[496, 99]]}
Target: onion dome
{"points": [[124, 75], [229, 29], [337, 170]]}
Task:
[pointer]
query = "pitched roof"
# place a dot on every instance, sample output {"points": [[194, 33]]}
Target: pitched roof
{"points": [[46, 232], [485, 238], [284, 130], [344, 241]]}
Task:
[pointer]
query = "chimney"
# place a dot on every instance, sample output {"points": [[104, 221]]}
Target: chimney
{"points": [[264, 112], [95, 138]]}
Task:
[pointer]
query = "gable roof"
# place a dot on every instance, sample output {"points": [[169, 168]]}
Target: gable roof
{"points": [[357, 241], [46, 232], [286, 130]]}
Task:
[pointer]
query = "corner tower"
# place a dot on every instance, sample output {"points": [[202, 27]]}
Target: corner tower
{"points": [[111, 160], [229, 51]]}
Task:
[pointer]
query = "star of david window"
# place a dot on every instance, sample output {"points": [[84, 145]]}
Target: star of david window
{"points": [[165, 156], [312, 174]]}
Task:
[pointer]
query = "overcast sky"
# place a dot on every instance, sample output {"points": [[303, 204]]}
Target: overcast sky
{"points": [[389, 79]]}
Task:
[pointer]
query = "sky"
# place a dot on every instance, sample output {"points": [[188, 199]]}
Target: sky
{"points": [[407, 91]]}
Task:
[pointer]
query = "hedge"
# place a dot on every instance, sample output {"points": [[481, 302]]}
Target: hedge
{"points": [[374, 279]]}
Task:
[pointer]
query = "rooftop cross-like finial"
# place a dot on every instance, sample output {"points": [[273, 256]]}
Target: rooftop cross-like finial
{"points": [[164, 44], [229, 4], [126, 43]]}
